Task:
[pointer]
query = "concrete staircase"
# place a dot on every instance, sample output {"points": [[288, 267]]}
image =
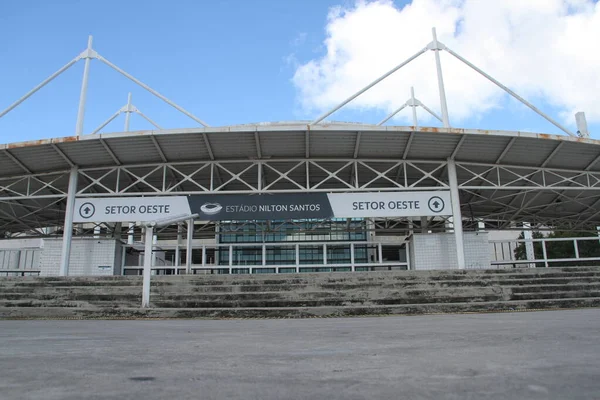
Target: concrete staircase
{"points": [[301, 296]]}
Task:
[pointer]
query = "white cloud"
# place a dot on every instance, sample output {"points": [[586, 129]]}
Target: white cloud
{"points": [[543, 49]]}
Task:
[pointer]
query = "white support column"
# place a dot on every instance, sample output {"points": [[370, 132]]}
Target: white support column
{"points": [[545, 253], [204, 255], [68, 227], [147, 267], [230, 248], [582, 126], [84, 85], [528, 235], [324, 254], [264, 255], [298, 257], [123, 259], [438, 64], [456, 214], [414, 106], [130, 233], [154, 243], [352, 258], [178, 249], [128, 112], [380, 253], [188, 252]]}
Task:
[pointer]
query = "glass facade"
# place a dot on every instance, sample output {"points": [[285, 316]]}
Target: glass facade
{"points": [[302, 232]]}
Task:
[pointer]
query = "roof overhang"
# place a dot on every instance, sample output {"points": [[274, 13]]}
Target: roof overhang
{"points": [[280, 141]]}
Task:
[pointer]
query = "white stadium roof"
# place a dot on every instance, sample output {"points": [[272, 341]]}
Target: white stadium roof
{"points": [[287, 140], [503, 176]]}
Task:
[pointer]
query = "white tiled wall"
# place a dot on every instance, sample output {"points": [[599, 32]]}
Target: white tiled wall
{"points": [[438, 251], [477, 250], [88, 257]]}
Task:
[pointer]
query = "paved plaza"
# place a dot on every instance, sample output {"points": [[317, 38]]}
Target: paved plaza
{"points": [[537, 355]]}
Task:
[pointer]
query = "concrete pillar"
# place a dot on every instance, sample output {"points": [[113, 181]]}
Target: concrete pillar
{"points": [[117, 231], [456, 214], [68, 227], [424, 223], [528, 235]]}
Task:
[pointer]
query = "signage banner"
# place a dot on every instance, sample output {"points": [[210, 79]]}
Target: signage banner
{"points": [[264, 206], [278, 206], [390, 204], [132, 209]]}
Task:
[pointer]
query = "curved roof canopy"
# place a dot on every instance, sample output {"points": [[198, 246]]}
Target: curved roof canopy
{"points": [[503, 176], [268, 141]]}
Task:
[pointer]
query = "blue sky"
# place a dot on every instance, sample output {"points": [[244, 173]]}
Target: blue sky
{"points": [[227, 62]]}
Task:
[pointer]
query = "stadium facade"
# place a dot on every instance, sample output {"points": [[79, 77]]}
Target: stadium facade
{"points": [[287, 197]]}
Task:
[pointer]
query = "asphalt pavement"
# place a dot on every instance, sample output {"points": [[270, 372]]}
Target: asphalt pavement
{"points": [[535, 355]]}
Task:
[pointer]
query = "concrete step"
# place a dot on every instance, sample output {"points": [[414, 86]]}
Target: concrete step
{"points": [[556, 295], [283, 291], [397, 278], [323, 302], [353, 294], [190, 288], [70, 303], [593, 286], [113, 296], [57, 291], [185, 287], [324, 278], [216, 300], [41, 303], [270, 295], [297, 312], [88, 293], [66, 282], [370, 277]]}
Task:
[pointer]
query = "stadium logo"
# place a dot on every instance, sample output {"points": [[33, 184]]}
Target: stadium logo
{"points": [[211, 208]]}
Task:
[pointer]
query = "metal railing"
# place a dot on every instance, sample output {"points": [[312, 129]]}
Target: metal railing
{"points": [[20, 262], [546, 252]]}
